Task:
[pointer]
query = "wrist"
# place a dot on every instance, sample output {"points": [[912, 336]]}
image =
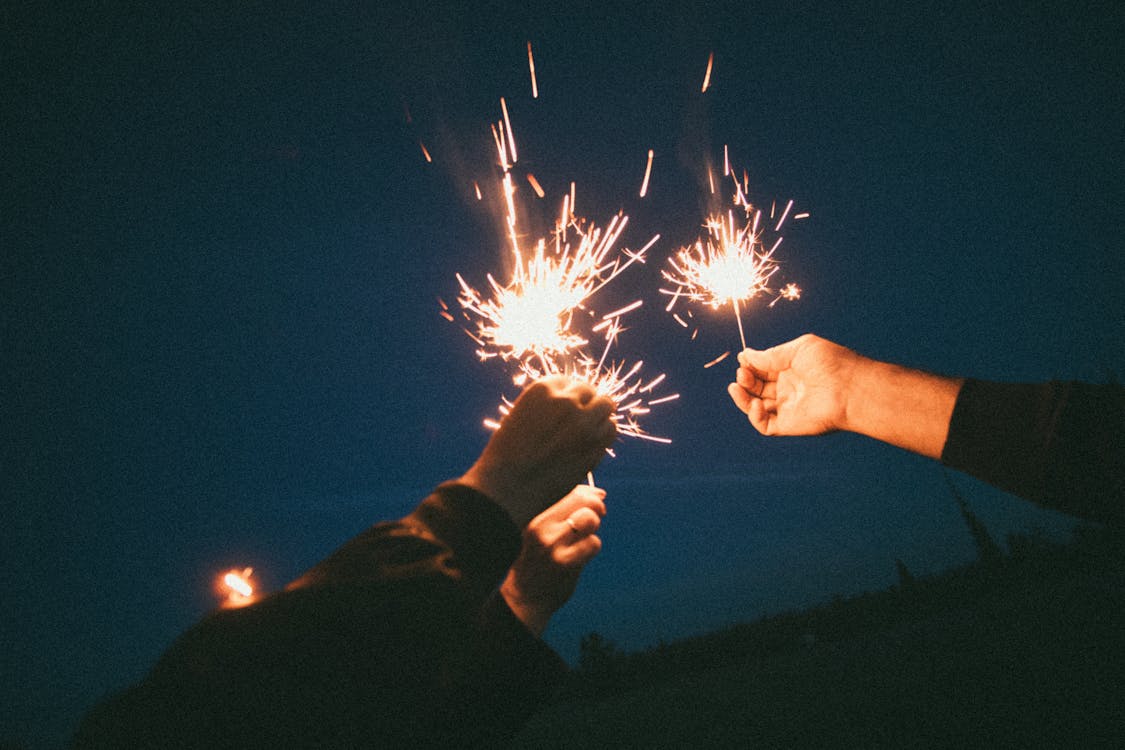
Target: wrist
{"points": [[534, 618], [503, 489]]}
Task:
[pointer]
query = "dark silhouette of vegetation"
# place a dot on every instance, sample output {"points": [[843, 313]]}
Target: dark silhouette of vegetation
{"points": [[988, 552], [1026, 653], [905, 579]]}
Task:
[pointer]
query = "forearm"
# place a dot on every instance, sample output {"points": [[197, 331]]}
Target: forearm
{"points": [[906, 408]]}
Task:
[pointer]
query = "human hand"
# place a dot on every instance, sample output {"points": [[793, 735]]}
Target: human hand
{"points": [[796, 388], [557, 544], [556, 432]]}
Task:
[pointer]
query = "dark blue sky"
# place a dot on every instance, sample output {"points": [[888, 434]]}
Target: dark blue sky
{"points": [[222, 249]]}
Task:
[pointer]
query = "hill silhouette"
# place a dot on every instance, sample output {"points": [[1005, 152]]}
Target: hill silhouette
{"points": [[1023, 648]]}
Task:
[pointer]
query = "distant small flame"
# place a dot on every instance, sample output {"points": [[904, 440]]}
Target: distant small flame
{"points": [[237, 587]]}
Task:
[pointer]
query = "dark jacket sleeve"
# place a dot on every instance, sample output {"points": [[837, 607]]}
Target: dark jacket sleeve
{"points": [[1061, 445], [397, 639]]}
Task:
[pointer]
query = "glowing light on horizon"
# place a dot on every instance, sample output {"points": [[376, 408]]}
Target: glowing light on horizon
{"points": [[236, 587]]}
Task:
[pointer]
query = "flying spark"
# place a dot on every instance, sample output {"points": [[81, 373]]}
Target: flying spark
{"points": [[535, 185], [707, 75], [648, 171], [531, 66]]}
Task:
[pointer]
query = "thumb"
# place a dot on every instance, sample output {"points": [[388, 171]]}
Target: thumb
{"points": [[774, 359]]}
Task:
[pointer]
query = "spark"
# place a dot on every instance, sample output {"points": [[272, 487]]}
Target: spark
{"points": [[717, 360], [533, 313], [731, 263], [784, 214], [707, 75], [648, 171], [535, 185], [508, 128], [790, 292], [538, 320], [426, 152], [476, 188], [729, 266], [531, 67], [804, 215]]}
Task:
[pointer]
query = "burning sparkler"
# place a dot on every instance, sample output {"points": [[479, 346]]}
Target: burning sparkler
{"points": [[534, 321], [731, 264]]}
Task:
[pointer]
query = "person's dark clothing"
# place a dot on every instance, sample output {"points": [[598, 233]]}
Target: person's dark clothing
{"points": [[398, 639], [1061, 445]]}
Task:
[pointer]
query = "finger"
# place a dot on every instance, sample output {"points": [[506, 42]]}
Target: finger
{"points": [[762, 417], [583, 393], [582, 496], [607, 433], [741, 398], [771, 360], [600, 407], [584, 521], [756, 385], [577, 554]]}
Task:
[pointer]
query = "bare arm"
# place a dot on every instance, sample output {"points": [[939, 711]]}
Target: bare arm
{"points": [[811, 386]]}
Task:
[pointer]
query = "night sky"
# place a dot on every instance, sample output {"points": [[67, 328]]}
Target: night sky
{"points": [[221, 250]]}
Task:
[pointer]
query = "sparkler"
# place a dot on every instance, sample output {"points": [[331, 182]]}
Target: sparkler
{"points": [[731, 264], [533, 322]]}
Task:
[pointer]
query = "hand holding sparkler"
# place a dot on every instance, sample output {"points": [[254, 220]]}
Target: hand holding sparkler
{"points": [[810, 386], [557, 544], [556, 431]]}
